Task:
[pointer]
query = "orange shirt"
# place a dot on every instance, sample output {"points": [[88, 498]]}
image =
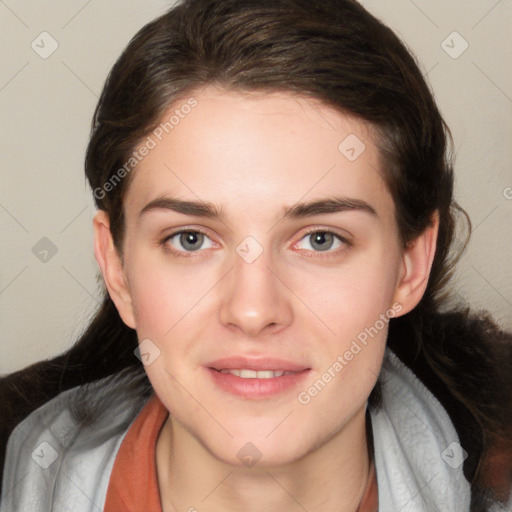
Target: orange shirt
{"points": [[133, 485]]}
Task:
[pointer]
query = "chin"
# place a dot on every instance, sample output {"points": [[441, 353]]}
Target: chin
{"points": [[259, 451]]}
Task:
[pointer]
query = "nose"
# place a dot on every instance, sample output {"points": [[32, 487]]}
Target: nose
{"points": [[253, 299]]}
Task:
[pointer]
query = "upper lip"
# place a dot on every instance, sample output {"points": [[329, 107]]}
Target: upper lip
{"points": [[260, 363]]}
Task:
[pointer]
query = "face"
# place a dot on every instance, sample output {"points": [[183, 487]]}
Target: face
{"points": [[260, 237]]}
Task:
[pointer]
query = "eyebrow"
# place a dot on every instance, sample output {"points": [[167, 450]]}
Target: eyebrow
{"points": [[297, 211]]}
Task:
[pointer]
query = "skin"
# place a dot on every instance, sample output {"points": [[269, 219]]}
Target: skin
{"points": [[253, 155]]}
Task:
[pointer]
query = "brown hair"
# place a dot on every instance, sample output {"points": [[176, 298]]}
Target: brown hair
{"points": [[336, 52]]}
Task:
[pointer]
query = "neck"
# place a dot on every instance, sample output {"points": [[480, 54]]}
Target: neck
{"points": [[331, 477]]}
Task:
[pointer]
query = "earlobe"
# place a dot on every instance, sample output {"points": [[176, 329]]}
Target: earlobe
{"points": [[417, 259], [111, 266]]}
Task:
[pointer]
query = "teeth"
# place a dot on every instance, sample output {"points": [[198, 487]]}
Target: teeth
{"points": [[253, 374]]}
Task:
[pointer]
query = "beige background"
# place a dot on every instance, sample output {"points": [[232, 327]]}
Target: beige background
{"points": [[46, 106]]}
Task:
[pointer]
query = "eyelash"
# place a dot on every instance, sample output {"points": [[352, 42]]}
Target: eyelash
{"points": [[346, 244], [321, 254]]}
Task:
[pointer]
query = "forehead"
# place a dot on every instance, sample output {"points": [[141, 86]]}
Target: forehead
{"points": [[258, 149]]}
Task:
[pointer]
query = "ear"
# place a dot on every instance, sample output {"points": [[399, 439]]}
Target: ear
{"points": [[111, 266], [417, 259]]}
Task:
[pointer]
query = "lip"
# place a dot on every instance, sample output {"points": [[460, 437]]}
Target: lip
{"points": [[254, 388], [260, 363]]}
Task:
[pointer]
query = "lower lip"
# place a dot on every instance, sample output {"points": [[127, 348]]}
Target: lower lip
{"points": [[257, 389]]}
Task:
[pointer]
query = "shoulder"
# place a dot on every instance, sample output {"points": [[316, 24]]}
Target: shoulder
{"points": [[418, 456], [54, 459]]}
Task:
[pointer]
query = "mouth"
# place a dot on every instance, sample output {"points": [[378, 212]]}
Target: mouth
{"points": [[256, 379]]}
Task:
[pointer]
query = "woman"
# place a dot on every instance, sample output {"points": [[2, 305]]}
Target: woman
{"points": [[275, 215]]}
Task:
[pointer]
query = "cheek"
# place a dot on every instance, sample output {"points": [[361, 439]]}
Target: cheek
{"points": [[163, 294], [355, 309], [164, 302], [352, 296], [152, 297], [354, 304]]}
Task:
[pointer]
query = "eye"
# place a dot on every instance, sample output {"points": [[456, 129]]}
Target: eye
{"points": [[188, 241], [322, 241]]}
